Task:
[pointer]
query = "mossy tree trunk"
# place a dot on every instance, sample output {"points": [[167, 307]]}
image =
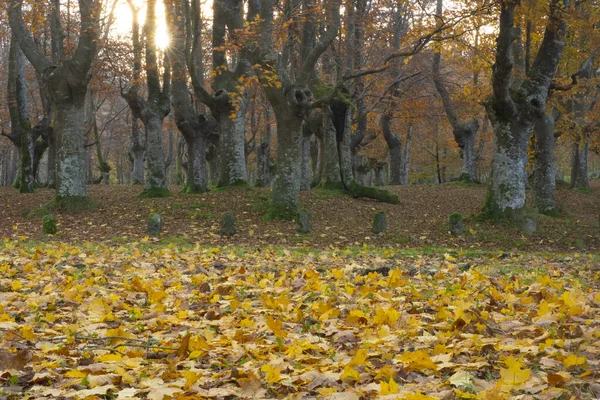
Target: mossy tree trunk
{"points": [[66, 84], [513, 111], [21, 135], [332, 175]]}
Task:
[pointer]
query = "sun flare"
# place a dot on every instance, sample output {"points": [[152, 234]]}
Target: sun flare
{"points": [[123, 17]]}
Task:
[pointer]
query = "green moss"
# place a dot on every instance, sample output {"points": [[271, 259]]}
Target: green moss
{"points": [[235, 185], [455, 217], [75, 203], [550, 212], [276, 212], [49, 224], [104, 167], [583, 190], [372, 193], [194, 189], [154, 193]]}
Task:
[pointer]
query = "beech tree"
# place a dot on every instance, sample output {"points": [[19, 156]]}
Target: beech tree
{"points": [[66, 86], [513, 111], [153, 110], [185, 52]]}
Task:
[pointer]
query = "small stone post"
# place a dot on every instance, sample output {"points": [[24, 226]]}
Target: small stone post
{"points": [[456, 225], [155, 224], [49, 224], [228, 224], [379, 223], [303, 222]]}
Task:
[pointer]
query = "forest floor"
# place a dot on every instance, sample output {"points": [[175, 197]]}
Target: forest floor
{"points": [[102, 311], [420, 220]]}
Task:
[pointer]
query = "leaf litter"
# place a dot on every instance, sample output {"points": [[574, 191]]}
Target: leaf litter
{"points": [[93, 321]]}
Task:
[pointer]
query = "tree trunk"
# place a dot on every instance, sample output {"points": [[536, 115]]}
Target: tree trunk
{"points": [[469, 154], [197, 177], [545, 173], [156, 183], [332, 176], [263, 155], [137, 150], [318, 156], [506, 197], [19, 116], [579, 171], [231, 156], [380, 177], [406, 157], [305, 184], [395, 149], [286, 186], [69, 124]]}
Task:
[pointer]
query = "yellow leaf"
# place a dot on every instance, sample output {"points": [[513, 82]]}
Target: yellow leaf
{"points": [[390, 387], [27, 333], [573, 360], [513, 375], [16, 285], [276, 326], [418, 361], [272, 374], [75, 373], [109, 358], [190, 378], [350, 373]]}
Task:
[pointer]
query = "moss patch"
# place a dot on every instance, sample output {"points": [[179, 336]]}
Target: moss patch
{"points": [[194, 189], [372, 193], [154, 193]]}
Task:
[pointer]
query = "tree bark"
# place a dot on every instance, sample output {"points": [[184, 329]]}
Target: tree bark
{"points": [[137, 151], [66, 86], [513, 111], [263, 155], [332, 175], [305, 185], [396, 151], [545, 174], [579, 171], [19, 117], [155, 109]]}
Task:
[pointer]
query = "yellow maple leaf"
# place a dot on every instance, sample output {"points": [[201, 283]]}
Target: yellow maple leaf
{"points": [[390, 387], [276, 327], [418, 360], [513, 376], [16, 285], [573, 360], [350, 373], [272, 373], [190, 378], [100, 310], [27, 333]]}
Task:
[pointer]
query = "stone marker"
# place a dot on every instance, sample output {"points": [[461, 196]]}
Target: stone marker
{"points": [[529, 226], [49, 224], [456, 225], [155, 224], [228, 224], [303, 222], [379, 223]]}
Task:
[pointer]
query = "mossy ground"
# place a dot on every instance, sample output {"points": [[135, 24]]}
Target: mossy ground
{"points": [[153, 193], [337, 219]]}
